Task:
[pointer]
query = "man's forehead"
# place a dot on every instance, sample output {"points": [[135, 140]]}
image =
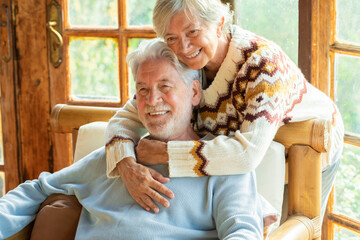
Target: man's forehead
{"points": [[157, 71], [159, 81]]}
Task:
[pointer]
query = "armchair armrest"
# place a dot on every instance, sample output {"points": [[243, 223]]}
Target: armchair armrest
{"points": [[296, 228]]}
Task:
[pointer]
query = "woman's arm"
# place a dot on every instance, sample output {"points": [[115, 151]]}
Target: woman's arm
{"points": [[122, 134], [145, 185]]}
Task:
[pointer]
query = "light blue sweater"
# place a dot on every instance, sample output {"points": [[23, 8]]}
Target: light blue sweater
{"points": [[225, 207]]}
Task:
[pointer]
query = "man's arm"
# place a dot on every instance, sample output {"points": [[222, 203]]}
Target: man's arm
{"points": [[237, 207], [19, 207]]}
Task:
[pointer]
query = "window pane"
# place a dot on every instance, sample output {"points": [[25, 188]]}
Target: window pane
{"points": [[347, 97], [89, 13], [274, 20], [94, 68], [347, 187], [2, 184], [341, 233], [133, 44], [348, 20], [139, 12]]}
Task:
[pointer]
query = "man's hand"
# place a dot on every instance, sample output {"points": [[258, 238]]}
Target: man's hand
{"points": [[151, 152], [144, 184]]}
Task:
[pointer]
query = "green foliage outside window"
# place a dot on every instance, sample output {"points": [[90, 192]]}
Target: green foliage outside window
{"points": [[274, 20], [93, 13], [347, 86], [140, 12], [94, 68]]}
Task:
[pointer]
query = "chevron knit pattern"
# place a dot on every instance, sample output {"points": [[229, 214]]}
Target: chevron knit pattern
{"points": [[256, 90]]}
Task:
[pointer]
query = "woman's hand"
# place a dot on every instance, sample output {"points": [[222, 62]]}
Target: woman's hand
{"points": [[144, 184], [151, 152]]}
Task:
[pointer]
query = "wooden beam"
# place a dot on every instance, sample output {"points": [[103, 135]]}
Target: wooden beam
{"points": [[345, 222], [344, 48], [8, 105], [305, 37], [33, 111]]}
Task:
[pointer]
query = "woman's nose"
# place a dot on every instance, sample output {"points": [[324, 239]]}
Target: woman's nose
{"points": [[185, 44]]}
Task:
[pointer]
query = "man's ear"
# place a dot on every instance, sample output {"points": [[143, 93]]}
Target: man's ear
{"points": [[196, 92]]}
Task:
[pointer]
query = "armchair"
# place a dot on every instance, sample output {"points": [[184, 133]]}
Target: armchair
{"points": [[305, 143]]}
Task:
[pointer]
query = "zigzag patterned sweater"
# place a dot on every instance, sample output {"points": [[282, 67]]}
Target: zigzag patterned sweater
{"points": [[256, 90]]}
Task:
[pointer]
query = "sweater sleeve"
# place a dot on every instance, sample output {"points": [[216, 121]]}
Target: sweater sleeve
{"points": [[260, 98], [237, 207], [19, 206], [122, 133]]}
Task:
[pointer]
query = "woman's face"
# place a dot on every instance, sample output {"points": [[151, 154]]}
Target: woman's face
{"points": [[193, 42]]}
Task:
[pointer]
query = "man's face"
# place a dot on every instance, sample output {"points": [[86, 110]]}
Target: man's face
{"points": [[163, 99]]}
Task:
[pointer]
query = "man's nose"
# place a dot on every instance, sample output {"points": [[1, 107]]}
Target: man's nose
{"points": [[153, 98]]}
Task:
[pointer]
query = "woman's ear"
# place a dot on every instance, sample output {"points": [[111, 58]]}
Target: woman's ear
{"points": [[220, 27], [196, 93]]}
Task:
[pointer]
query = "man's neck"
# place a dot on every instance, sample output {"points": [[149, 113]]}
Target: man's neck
{"points": [[186, 135]]}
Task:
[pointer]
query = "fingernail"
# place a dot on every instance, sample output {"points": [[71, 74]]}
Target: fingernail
{"points": [[156, 210], [167, 204]]}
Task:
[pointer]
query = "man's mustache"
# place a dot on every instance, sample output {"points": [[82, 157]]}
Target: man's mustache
{"points": [[158, 108]]}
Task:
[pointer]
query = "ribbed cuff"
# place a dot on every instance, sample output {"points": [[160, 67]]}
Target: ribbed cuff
{"points": [[181, 161], [115, 152]]}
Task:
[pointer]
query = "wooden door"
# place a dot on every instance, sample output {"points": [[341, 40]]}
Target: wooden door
{"points": [[9, 155]]}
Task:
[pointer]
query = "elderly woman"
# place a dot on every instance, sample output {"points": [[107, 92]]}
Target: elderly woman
{"points": [[250, 89]]}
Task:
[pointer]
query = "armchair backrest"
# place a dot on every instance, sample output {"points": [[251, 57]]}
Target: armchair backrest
{"points": [[305, 142]]}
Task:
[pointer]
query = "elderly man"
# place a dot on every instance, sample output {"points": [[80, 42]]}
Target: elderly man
{"points": [[206, 207]]}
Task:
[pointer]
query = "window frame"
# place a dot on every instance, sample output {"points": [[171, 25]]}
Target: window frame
{"points": [[123, 33], [334, 47]]}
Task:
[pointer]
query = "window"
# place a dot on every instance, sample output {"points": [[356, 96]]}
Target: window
{"points": [[343, 220], [258, 17], [96, 38]]}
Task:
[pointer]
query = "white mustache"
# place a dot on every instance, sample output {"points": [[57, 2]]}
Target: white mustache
{"points": [[158, 108]]}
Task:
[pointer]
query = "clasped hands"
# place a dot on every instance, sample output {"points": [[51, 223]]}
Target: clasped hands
{"points": [[145, 184]]}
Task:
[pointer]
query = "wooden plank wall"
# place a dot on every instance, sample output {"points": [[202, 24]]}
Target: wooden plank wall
{"points": [[33, 98], [8, 106]]}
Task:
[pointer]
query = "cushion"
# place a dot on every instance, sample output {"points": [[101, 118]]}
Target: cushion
{"points": [[270, 177], [90, 137]]}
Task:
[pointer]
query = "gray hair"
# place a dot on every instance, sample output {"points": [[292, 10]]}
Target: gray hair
{"points": [[156, 49], [209, 12]]}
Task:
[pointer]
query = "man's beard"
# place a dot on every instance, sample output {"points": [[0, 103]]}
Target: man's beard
{"points": [[169, 126]]}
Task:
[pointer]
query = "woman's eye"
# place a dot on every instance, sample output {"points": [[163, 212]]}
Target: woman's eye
{"points": [[193, 32], [171, 40]]}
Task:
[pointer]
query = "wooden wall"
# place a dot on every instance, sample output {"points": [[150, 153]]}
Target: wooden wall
{"points": [[28, 80]]}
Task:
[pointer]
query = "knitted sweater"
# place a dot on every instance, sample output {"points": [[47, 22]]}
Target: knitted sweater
{"points": [[256, 90], [204, 208]]}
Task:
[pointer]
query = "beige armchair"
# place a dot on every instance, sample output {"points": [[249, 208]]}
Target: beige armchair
{"points": [[305, 143]]}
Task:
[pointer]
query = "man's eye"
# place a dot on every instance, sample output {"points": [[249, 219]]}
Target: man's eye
{"points": [[142, 91], [165, 87]]}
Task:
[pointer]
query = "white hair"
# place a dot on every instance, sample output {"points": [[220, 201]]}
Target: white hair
{"points": [[156, 49], [209, 13]]}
